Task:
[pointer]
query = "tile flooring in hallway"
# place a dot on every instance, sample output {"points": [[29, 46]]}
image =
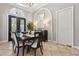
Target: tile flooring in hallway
{"points": [[49, 49]]}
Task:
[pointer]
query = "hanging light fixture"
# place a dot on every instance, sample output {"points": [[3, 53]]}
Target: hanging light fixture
{"points": [[30, 4]]}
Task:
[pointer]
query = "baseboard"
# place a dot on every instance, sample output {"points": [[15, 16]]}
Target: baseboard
{"points": [[49, 40], [2, 41], [77, 47], [54, 41]]}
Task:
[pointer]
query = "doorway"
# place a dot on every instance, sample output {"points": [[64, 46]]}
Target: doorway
{"points": [[16, 24]]}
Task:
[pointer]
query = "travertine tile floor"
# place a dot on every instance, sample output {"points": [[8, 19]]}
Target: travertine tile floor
{"points": [[49, 49]]}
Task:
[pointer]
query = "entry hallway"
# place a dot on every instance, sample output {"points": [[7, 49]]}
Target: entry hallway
{"points": [[49, 49]]}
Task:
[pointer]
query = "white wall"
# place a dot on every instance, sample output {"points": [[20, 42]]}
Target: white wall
{"points": [[4, 12], [53, 7], [1, 34], [64, 26], [76, 25]]}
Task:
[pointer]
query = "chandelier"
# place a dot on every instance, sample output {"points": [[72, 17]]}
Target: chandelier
{"points": [[30, 4]]}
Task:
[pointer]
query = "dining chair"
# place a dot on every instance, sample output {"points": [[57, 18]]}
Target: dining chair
{"points": [[18, 44], [37, 43], [41, 37]]}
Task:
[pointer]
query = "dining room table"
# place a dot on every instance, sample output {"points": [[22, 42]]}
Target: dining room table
{"points": [[25, 37]]}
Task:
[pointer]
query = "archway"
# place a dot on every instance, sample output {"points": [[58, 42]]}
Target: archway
{"points": [[43, 18]]}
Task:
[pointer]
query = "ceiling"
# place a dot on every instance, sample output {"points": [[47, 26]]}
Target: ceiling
{"points": [[31, 7]]}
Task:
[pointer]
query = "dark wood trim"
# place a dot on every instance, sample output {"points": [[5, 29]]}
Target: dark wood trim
{"points": [[9, 28], [16, 17], [18, 25]]}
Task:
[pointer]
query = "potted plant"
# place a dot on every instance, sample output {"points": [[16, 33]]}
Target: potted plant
{"points": [[30, 26]]}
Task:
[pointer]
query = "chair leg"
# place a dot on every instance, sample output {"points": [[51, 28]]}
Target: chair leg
{"points": [[15, 50], [13, 46], [28, 49], [34, 52], [41, 50], [41, 45], [18, 51]]}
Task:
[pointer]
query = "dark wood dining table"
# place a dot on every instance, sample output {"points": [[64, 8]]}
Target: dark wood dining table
{"points": [[25, 38]]}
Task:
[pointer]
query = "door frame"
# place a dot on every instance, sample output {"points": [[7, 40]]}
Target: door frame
{"points": [[72, 24], [18, 27]]}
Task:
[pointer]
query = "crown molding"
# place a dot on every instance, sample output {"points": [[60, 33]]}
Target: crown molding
{"points": [[31, 10]]}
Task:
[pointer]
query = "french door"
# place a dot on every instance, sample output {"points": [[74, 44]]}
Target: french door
{"points": [[16, 24]]}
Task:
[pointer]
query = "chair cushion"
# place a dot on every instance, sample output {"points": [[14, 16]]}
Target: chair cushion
{"points": [[26, 43], [32, 32], [34, 45]]}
